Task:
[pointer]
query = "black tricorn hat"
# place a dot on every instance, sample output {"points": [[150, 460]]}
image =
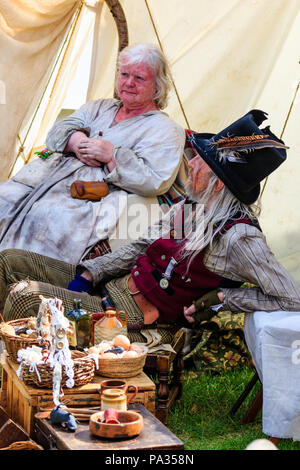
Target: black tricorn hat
{"points": [[242, 155]]}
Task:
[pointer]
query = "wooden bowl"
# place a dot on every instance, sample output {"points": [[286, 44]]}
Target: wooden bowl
{"points": [[131, 424]]}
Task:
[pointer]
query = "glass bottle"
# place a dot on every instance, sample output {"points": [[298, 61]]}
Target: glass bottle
{"points": [[80, 326]]}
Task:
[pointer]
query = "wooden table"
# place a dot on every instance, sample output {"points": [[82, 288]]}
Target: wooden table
{"points": [[22, 402], [154, 436]]}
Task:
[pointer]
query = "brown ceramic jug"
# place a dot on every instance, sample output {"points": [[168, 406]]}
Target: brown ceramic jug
{"points": [[115, 398], [109, 326]]}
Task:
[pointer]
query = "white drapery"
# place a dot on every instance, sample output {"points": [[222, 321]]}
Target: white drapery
{"points": [[31, 32]]}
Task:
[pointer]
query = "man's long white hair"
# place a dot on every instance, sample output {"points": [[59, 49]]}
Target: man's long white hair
{"points": [[213, 209]]}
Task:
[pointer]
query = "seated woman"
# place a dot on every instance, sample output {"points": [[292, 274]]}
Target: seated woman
{"points": [[127, 142]]}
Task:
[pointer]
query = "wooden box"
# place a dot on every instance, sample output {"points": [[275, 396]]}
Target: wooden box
{"points": [[22, 402], [154, 436], [13, 437]]}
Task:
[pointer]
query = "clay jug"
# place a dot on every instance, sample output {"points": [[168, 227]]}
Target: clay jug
{"points": [[116, 398], [110, 326]]}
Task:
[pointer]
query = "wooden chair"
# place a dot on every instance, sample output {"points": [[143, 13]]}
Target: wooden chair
{"points": [[256, 404], [169, 370]]}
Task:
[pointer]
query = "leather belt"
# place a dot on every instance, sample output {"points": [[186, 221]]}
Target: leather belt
{"points": [[150, 312]]}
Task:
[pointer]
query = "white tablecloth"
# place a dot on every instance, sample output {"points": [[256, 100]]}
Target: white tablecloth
{"points": [[273, 339]]}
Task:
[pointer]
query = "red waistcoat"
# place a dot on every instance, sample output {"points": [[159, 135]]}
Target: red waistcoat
{"points": [[183, 288]]}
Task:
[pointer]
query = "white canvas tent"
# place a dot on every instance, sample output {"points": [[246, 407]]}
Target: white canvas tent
{"points": [[226, 57]]}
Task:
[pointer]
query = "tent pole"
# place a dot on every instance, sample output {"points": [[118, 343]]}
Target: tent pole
{"points": [[120, 20], [119, 17]]}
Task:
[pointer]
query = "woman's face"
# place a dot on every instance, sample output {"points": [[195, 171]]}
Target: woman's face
{"points": [[136, 86]]}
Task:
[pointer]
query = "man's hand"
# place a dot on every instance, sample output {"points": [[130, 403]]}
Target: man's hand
{"points": [[189, 312], [201, 310], [87, 275], [82, 282], [94, 152]]}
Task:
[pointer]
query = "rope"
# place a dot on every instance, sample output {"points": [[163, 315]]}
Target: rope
{"points": [[172, 80], [283, 129], [21, 148], [180, 103]]}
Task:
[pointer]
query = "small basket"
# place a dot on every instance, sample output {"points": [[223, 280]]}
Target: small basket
{"points": [[122, 367], [84, 370], [23, 445], [14, 343]]}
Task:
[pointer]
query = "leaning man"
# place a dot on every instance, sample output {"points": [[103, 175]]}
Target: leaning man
{"points": [[192, 262]]}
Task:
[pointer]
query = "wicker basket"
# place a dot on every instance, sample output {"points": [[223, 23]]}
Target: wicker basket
{"points": [[122, 367], [23, 445], [14, 343], [84, 370]]}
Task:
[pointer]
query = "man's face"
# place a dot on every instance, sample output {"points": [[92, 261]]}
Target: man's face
{"points": [[200, 174], [136, 85]]}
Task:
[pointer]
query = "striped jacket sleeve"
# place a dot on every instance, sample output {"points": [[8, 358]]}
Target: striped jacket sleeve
{"points": [[247, 257]]}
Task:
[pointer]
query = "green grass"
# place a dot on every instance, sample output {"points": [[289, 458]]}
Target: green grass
{"points": [[201, 418]]}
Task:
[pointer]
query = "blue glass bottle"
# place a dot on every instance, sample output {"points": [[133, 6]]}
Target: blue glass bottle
{"points": [[80, 326]]}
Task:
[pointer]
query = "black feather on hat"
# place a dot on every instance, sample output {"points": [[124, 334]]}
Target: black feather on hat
{"points": [[242, 155]]}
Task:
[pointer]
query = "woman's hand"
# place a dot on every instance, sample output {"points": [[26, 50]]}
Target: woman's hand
{"points": [[74, 141], [94, 152]]}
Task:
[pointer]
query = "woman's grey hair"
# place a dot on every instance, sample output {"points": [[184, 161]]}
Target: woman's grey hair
{"points": [[211, 214], [155, 59]]}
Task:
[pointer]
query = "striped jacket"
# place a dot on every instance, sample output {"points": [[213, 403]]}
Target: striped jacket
{"points": [[240, 254]]}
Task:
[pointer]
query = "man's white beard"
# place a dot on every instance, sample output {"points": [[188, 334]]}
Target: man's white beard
{"points": [[191, 193]]}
